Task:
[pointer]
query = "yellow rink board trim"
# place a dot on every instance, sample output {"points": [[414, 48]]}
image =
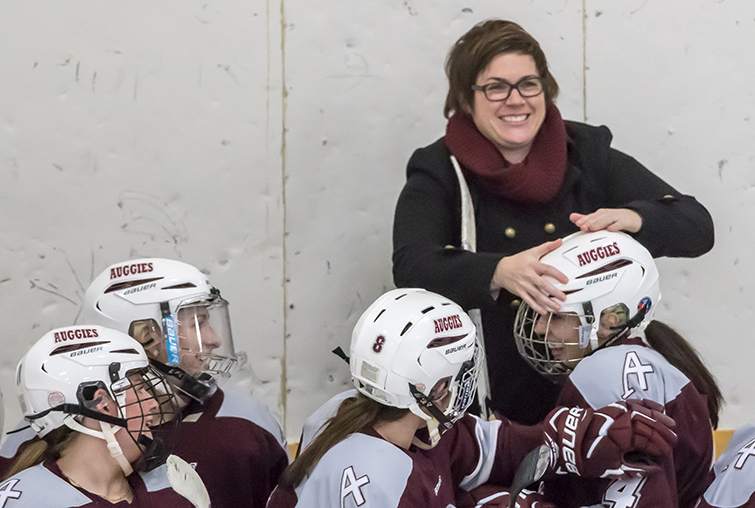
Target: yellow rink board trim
{"points": [[292, 447], [721, 439]]}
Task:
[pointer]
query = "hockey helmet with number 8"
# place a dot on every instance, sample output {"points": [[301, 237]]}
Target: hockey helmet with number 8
{"points": [[415, 349], [173, 311], [607, 271]]}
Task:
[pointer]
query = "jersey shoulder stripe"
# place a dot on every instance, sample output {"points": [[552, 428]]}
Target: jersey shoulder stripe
{"points": [[15, 440], [38, 486], [238, 404], [486, 435], [316, 420], [735, 471]]}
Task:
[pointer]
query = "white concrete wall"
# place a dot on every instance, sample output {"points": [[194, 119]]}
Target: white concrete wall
{"points": [[265, 142]]}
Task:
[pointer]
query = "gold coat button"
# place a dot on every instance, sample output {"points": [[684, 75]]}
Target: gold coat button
{"points": [[510, 232], [550, 228], [516, 303]]}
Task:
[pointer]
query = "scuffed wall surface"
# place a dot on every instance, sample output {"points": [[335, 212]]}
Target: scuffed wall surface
{"points": [[140, 129], [675, 84], [366, 88], [169, 130]]}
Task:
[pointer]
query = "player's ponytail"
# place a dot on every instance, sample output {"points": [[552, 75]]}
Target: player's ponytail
{"points": [[39, 449], [679, 353], [354, 414]]}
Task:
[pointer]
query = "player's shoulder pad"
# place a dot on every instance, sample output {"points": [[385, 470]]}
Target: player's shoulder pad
{"points": [[362, 471], [238, 404], [38, 486], [316, 420], [735, 471], [15, 440], [627, 371]]}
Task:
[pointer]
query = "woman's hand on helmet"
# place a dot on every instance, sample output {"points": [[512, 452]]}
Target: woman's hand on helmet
{"points": [[524, 275], [610, 219]]}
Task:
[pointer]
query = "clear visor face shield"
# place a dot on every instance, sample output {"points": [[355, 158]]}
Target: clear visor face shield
{"points": [[553, 344], [199, 340]]}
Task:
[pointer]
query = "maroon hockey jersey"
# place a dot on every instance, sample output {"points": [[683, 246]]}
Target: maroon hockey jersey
{"points": [[236, 446], [45, 486], [630, 370], [366, 471], [734, 483]]}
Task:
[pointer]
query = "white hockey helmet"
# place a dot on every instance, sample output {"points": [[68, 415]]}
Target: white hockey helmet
{"points": [[171, 308], [412, 348], [59, 376], [606, 270]]}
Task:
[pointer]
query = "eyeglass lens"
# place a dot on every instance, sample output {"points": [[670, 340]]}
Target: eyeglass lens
{"points": [[529, 87]]}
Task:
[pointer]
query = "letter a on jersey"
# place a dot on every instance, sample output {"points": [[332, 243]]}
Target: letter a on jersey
{"points": [[743, 454], [633, 366], [352, 486], [7, 492]]}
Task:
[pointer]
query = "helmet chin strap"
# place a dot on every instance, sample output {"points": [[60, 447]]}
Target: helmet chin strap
{"points": [[108, 435], [432, 428], [433, 416]]}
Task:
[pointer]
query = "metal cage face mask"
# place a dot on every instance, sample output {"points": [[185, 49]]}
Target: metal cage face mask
{"points": [[554, 344], [149, 411], [464, 386], [199, 339]]}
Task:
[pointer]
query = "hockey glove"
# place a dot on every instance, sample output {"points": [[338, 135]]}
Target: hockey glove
{"points": [[607, 442]]}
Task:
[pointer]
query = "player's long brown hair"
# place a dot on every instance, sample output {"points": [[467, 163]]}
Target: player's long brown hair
{"points": [[40, 449], [354, 414], [679, 353]]}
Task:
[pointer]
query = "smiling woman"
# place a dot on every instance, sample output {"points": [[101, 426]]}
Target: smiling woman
{"points": [[532, 179], [511, 107]]}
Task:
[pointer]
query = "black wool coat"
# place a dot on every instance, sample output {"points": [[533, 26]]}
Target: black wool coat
{"points": [[428, 221]]}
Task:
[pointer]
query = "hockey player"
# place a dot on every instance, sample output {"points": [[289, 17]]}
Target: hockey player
{"points": [[596, 347], [414, 360], [734, 484], [169, 307], [96, 407], [183, 323]]}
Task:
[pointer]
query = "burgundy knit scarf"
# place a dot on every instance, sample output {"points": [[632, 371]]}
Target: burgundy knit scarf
{"points": [[536, 180]]}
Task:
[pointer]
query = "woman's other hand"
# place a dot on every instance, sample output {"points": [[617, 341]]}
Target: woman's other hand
{"points": [[524, 275], [611, 219]]}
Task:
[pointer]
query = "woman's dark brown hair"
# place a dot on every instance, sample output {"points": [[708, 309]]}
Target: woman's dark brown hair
{"points": [[474, 51], [679, 353], [354, 414]]}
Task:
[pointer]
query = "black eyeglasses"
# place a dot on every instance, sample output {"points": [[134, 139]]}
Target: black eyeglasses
{"points": [[528, 86]]}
